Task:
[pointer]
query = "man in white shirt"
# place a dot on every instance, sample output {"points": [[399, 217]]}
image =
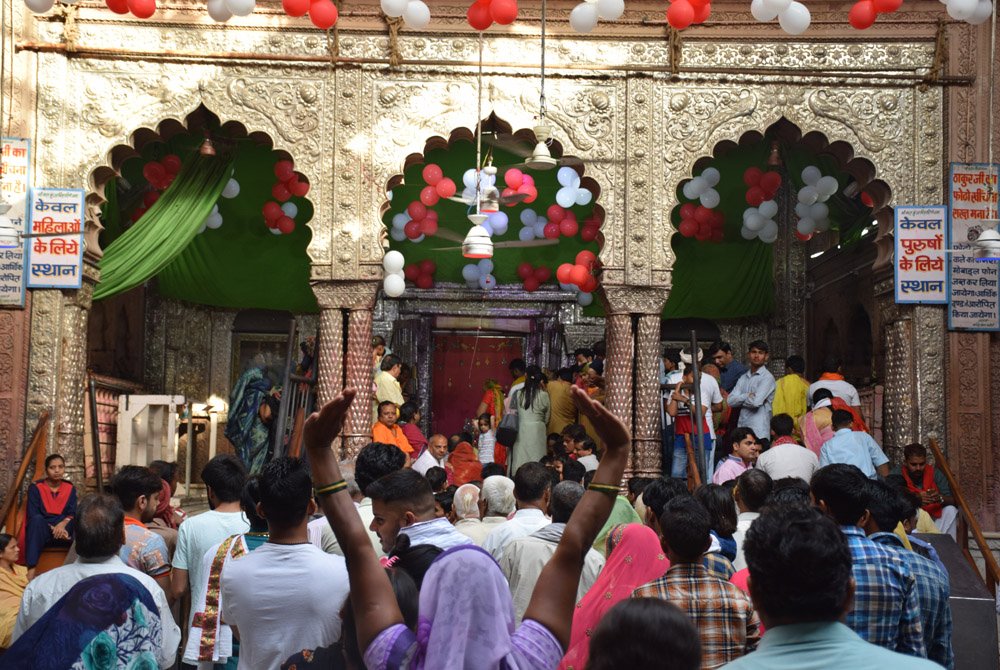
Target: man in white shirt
{"points": [[786, 457], [387, 386], [532, 490], [517, 369], [524, 558], [752, 489], [403, 504], [284, 598], [224, 477], [465, 513], [436, 454], [100, 534], [585, 454], [832, 379]]}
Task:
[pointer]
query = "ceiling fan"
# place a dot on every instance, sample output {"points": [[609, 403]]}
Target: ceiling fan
{"points": [[477, 243]]}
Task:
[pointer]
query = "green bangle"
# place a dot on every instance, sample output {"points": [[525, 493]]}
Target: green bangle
{"points": [[340, 485], [604, 488]]}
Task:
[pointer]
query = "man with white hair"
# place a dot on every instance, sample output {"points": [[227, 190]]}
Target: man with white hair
{"points": [[465, 514], [496, 501]]}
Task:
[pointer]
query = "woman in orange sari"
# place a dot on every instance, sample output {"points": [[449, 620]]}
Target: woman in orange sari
{"points": [[13, 579], [463, 465]]}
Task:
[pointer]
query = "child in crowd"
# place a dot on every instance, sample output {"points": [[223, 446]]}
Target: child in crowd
{"points": [[487, 439]]}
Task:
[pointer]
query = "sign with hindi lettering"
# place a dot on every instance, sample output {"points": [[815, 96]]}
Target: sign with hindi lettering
{"points": [[15, 180], [920, 264], [55, 250], [973, 288]]}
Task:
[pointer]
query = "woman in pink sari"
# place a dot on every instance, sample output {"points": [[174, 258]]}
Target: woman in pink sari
{"points": [[817, 425], [634, 558]]}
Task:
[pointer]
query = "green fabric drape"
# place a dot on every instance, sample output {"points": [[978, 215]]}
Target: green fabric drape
{"points": [[166, 229], [111, 215]]}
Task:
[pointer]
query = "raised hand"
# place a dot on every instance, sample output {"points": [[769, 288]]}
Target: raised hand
{"points": [[322, 427], [610, 429]]}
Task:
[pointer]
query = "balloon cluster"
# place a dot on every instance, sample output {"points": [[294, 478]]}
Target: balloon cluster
{"points": [[279, 214], [864, 12], [533, 277], [223, 10], [761, 186], [213, 220], [973, 12], [811, 209], [758, 219], [484, 13], [421, 274], [415, 13], [417, 221], [280, 219], [519, 183], [496, 223], [701, 223], [570, 192], [141, 9], [479, 275], [682, 13], [579, 276], [160, 175], [702, 188], [793, 16], [584, 16], [486, 181], [393, 280], [438, 186]]}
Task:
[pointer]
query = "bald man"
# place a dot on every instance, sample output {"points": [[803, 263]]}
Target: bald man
{"points": [[435, 456]]}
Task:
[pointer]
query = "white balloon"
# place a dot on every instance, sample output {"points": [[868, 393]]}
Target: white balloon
{"points": [[583, 18], [747, 234], [219, 10], [469, 178], [805, 226], [818, 212], [526, 234], [202, 228], [961, 9], [566, 197], [583, 196], [711, 176], [398, 221], [241, 7], [689, 190], [802, 210], [585, 299], [761, 12], [393, 261], [710, 198], [215, 209], [488, 228], [777, 6], [470, 272], [469, 194], [539, 228], [794, 21], [274, 231], [749, 211], [39, 6], [394, 8], [769, 233], [811, 175], [572, 288], [232, 187], [396, 234], [417, 14], [214, 221], [609, 10], [499, 227], [485, 267], [487, 282], [827, 186], [982, 12], [566, 175], [768, 209], [698, 186], [755, 222], [394, 286], [808, 195], [528, 217]]}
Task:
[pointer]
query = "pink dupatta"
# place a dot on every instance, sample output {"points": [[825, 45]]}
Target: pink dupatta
{"points": [[812, 435]]}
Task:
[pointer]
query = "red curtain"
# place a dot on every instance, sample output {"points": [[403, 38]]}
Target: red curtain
{"points": [[462, 364]]}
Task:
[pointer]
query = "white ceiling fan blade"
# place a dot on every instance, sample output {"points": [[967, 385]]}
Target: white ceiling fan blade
{"points": [[449, 235], [519, 244], [464, 201]]}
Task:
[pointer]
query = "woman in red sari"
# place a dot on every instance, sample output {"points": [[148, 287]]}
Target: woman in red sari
{"points": [[51, 508], [463, 465]]}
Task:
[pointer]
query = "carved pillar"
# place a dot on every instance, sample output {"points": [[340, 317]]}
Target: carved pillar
{"points": [[647, 430], [358, 428], [330, 378]]}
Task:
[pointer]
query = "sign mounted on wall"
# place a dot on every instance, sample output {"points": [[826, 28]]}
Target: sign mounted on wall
{"points": [[15, 181], [921, 237], [973, 288], [55, 248]]}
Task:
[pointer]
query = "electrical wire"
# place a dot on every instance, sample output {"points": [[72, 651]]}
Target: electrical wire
{"points": [[541, 96]]}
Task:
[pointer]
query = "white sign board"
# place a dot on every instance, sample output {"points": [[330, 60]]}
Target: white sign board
{"points": [[15, 181], [55, 250], [921, 234]]}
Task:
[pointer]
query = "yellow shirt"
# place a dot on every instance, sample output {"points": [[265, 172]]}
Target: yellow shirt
{"points": [[790, 396], [386, 388]]}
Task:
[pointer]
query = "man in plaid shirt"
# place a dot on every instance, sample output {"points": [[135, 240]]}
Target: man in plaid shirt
{"points": [[885, 511], [725, 618], [886, 609]]}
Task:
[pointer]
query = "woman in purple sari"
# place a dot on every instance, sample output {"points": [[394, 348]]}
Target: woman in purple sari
{"points": [[466, 617]]}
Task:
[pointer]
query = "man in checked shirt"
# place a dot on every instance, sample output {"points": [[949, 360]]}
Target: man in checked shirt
{"points": [[886, 608]]}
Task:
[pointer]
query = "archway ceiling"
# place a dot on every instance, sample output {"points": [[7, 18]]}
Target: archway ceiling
{"points": [[241, 264]]}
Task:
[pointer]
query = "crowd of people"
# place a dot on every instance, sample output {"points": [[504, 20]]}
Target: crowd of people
{"points": [[428, 553]]}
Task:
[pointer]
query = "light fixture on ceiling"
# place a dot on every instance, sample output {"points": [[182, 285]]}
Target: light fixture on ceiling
{"points": [[987, 246], [207, 148], [774, 159], [541, 158], [477, 242]]}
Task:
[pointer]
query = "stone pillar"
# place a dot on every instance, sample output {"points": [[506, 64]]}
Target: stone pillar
{"points": [[647, 429], [358, 427]]}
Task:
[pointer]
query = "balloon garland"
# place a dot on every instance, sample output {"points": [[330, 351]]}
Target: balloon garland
{"points": [[279, 214], [758, 219]]}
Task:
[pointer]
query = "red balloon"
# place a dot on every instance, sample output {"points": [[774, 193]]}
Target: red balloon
{"points": [[142, 9], [284, 170], [428, 267], [770, 182], [569, 227], [514, 178], [154, 172], [299, 188], [562, 273], [286, 225], [697, 4], [803, 238], [425, 281], [479, 15], [171, 162], [551, 231], [586, 258], [862, 15], [687, 210], [417, 210], [411, 272], [688, 227], [272, 211], [704, 233], [429, 226], [506, 193], [295, 8], [431, 214], [413, 229], [503, 12], [542, 274], [578, 275], [429, 196], [866, 200], [702, 13], [530, 191], [755, 196], [887, 6], [280, 192], [323, 14], [432, 174], [752, 176], [531, 284], [117, 6], [680, 14], [445, 188], [137, 213], [703, 214], [588, 234], [524, 270], [555, 214], [589, 284], [718, 235]]}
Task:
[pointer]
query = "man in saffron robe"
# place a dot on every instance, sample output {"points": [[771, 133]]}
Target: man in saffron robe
{"points": [[386, 431]]}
